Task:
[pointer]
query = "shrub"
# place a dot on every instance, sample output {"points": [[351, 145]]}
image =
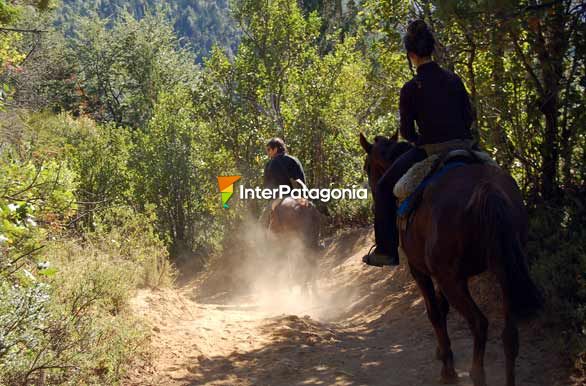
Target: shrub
{"points": [[558, 247], [64, 295], [67, 322]]}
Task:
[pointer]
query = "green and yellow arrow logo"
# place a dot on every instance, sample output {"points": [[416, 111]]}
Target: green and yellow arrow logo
{"points": [[226, 184]]}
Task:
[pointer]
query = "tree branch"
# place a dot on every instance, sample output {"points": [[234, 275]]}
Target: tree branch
{"points": [[36, 31], [527, 66]]}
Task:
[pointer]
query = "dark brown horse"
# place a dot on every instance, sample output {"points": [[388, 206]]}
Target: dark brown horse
{"points": [[296, 224], [470, 220]]}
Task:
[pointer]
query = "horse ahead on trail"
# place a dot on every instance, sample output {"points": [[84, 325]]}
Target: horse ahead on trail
{"points": [[469, 220], [296, 225]]}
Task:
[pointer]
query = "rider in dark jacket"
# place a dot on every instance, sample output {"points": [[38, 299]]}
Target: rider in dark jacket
{"points": [[281, 167], [438, 101]]}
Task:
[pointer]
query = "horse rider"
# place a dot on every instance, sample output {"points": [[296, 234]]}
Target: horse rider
{"points": [[438, 102], [281, 169]]}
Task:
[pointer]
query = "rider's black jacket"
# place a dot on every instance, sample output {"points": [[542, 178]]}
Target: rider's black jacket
{"points": [[438, 101], [280, 169]]}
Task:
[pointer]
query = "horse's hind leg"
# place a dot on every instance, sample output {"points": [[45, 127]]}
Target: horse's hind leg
{"points": [[437, 313], [459, 296], [444, 308]]}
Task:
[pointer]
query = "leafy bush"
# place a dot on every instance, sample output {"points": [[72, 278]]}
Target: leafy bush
{"points": [[70, 327], [67, 321], [558, 247], [131, 237], [175, 164], [63, 297]]}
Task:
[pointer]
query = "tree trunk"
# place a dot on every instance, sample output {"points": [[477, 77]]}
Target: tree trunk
{"points": [[551, 45], [498, 136], [568, 131]]}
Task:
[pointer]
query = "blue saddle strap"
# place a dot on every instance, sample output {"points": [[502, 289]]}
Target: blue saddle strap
{"points": [[405, 206]]}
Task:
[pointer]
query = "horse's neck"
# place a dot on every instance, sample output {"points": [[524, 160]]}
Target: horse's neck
{"points": [[405, 147]]}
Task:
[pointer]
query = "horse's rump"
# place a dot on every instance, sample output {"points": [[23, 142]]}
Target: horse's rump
{"points": [[298, 217], [502, 215], [446, 213], [476, 210], [295, 223]]}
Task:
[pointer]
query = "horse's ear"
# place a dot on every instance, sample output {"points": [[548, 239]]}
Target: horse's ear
{"points": [[395, 136], [367, 146]]}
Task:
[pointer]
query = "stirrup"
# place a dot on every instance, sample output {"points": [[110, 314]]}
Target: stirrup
{"points": [[379, 260]]}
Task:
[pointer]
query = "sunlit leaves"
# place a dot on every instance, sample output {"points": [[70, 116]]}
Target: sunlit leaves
{"points": [[123, 69]]}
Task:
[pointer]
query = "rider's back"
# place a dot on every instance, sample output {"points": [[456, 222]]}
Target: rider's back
{"points": [[437, 100], [281, 169]]}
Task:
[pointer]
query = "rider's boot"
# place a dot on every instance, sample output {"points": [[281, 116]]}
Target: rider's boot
{"points": [[385, 227], [379, 258]]}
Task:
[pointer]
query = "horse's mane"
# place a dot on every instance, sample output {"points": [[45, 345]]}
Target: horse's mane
{"points": [[382, 138], [389, 149]]}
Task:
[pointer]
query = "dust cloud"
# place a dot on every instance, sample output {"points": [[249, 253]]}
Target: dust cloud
{"points": [[276, 274]]}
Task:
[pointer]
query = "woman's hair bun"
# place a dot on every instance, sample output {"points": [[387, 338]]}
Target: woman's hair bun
{"points": [[417, 27], [419, 39]]}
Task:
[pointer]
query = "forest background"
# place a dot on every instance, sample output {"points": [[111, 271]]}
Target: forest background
{"points": [[116, 117]]}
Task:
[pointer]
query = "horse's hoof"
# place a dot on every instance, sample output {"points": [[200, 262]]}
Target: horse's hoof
{"points": [[478, 377], [449, 379], [449, 357]]}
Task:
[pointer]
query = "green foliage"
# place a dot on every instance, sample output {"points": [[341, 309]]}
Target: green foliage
{"points": [[37, 189], [8, 13], [132, 238], [70, 325], [48, 79], [202, 24], [12, 51], [122, 70], [558, 248], [176, 162], [96, 155], [9, 54], [24, 311], [63, 300]]}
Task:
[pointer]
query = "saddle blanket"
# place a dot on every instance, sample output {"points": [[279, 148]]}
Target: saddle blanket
{"points": [[418, 176]]}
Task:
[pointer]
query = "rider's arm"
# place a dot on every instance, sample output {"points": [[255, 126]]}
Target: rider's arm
{"points": [[301, 173], [407, 113], [295, 169]]}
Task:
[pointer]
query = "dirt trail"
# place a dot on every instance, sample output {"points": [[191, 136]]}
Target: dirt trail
{"points": [[368, 327]]}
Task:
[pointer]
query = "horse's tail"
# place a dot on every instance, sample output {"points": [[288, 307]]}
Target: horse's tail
{"points": [[493, 212]]}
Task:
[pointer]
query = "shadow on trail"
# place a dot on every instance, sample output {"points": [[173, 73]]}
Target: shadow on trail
{"points": [[389, 342], [379, 335]]}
